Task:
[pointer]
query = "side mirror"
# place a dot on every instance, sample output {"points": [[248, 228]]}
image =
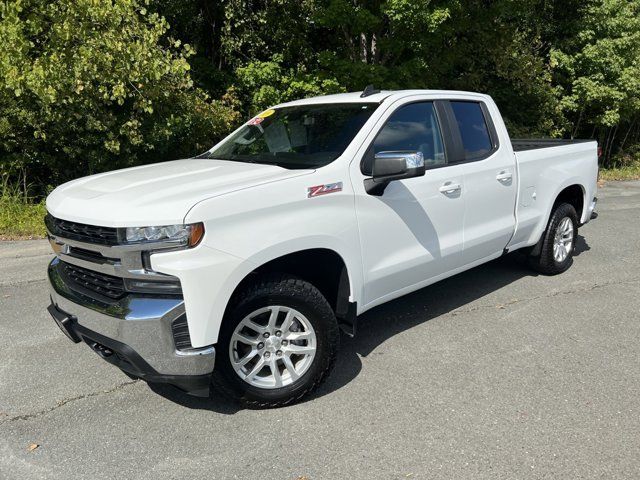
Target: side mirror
{"points": [[390, 166]]}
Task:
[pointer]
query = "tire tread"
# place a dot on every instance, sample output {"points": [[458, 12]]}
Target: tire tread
{"points": [[544, 262]]}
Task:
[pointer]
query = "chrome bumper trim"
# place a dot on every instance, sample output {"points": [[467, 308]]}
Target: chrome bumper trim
{"points": [[142, 322]]}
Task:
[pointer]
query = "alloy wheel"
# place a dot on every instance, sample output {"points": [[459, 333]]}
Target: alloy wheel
{"points": [[563, 240], [272, 347]]}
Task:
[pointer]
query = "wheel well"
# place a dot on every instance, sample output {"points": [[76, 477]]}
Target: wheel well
{"points": [[321, 267], [573, 195]]}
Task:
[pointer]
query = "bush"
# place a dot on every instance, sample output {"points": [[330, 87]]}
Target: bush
{"points": [[625, 166], [93, 85]]}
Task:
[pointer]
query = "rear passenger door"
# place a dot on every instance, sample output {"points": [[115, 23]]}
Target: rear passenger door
{"points": [[489, 178]]}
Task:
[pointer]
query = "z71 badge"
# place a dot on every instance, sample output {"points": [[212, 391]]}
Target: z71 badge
{"points": [[324, 189]]}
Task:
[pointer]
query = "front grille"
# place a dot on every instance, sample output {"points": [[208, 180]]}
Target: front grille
{"points": [[82, 232], [105, 285], [180, 330], [90, 255]]}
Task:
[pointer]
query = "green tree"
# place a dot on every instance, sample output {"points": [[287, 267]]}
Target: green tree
{"points": [[597, 73], [266, 83], [494, 47], [91, 85]]}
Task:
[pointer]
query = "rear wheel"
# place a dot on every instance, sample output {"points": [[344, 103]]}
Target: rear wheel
{"points": [[277, 344], [558, 241]]}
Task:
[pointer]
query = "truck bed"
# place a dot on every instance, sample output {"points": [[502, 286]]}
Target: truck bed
{"points": [[523, 144]]}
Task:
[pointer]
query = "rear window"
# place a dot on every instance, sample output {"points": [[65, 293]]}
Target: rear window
{"points": [[474, 131]]}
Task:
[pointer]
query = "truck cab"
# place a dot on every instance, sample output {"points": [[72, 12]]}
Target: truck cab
{"points": [[236, 268]]}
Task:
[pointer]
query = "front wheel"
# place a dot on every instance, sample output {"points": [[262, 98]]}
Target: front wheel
{"points": [[558, 241], [278, 342]]}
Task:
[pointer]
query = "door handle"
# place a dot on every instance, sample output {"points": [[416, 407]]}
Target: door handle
{"points": [[504, 176], [449, 188]]}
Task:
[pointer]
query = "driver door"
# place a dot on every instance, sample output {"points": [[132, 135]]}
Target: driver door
{"points": [[412, 233]]}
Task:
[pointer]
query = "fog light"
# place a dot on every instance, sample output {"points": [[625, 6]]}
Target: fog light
{"points": [[172, 287]]}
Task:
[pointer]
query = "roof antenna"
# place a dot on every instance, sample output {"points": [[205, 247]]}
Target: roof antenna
{"points": [[369, 90]]}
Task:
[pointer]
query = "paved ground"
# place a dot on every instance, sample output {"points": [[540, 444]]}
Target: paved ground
{"points": [[496, 373]]}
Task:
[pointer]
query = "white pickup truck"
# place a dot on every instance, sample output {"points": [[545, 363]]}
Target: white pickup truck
{"points": [[236, 268]]}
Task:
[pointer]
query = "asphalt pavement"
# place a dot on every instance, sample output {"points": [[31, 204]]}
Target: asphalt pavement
{"points": [[497, 373]]}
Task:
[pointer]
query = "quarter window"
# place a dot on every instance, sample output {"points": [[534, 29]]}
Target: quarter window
{"points": [[476, 139]]}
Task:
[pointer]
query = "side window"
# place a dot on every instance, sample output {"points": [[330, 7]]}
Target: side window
{"points": [[476, 139], [413, 128]]}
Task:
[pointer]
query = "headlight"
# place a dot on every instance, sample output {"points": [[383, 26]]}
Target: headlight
{"points": [[189, 235]]}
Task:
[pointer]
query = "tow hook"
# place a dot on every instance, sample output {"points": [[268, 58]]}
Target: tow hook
{"points": [[101, 350]]}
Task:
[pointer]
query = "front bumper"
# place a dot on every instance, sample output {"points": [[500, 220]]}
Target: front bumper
{"points": [[133, 333]]}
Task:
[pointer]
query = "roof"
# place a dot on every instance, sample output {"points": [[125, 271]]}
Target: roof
{"points": [[354, 97]]}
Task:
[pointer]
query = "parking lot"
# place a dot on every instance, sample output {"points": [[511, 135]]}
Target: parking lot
{"points": [[495, 373]]}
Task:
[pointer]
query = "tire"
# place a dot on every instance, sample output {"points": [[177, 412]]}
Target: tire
{"points": [[548, 261], [308, 314]]}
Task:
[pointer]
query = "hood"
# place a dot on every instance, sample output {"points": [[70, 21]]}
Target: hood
{"points": [[157, 194]]}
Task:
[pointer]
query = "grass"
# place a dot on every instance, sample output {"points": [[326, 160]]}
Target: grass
{"points": [[629, 172], [625, 166], [20, 219]]}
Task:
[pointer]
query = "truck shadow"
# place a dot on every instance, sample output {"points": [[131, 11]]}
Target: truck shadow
{"points": [[383, 322], [581, 246]]}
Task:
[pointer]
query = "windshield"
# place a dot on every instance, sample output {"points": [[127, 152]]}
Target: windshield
{"points": [[305, 136]]}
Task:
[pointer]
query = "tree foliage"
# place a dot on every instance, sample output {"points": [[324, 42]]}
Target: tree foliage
{"points": [[597, 73], [90, 85]]}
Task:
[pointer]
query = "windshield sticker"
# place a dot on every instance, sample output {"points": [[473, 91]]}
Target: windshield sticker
{"points": [[324, 189], [266, 113], [255, 121]]}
